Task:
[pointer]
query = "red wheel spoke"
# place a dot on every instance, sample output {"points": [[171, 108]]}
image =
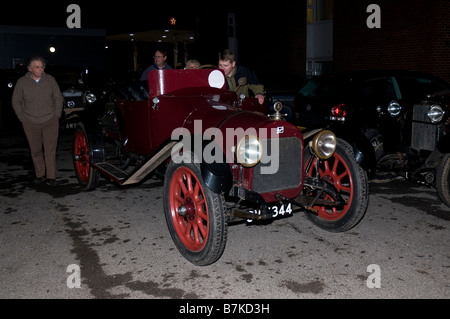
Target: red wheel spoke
{"points": [[201, 227], [335, 166], [189, 184], [196, 192], [196, 238], [187, 231], [182, 184], [201, 214], [327, 167], [179, 199], [181, 223], [344, 174], [346, 189], [199, 202]]}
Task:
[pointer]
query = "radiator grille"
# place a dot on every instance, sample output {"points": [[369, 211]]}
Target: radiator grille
{"points": [[73, 98], [424, 133], [288, 175]]}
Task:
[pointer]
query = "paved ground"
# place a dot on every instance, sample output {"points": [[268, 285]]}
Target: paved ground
{"points": [[118, 240]]}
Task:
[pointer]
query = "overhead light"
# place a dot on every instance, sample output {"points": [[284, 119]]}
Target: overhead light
{"points": [[52, 49]]}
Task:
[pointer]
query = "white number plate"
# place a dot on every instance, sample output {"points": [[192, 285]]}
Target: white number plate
{"points": [[278, 210]]}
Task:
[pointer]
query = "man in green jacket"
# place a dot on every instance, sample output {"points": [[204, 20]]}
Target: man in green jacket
{"points": [[38, 101]]}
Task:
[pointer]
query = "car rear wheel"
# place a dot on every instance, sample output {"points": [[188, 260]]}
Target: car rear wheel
{"points": [[86, 175], [195, 215], [350, 180], [443, 180]]}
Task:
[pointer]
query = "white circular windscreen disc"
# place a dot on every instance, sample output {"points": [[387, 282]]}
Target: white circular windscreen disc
{"points": [[216, 79]]}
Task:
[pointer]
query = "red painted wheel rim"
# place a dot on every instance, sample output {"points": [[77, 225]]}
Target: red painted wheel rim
{"points": [[81, 157], [186, 194], [336, 171]]}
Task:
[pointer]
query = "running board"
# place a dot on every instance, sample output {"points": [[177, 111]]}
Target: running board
{"points": [[123, 178]]}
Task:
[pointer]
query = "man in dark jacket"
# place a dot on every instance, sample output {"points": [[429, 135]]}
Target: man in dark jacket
{"points": [[38, 101], [239, 78], [160, 58]]}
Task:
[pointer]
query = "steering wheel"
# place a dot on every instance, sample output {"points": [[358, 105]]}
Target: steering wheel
{"points": [[207, 66]]}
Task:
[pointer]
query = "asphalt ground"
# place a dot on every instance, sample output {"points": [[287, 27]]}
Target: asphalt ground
{"points": [[116, 243]]}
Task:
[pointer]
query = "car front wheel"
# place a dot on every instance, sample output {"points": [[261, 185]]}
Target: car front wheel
{"points": [[349, 179], [195, 215]]}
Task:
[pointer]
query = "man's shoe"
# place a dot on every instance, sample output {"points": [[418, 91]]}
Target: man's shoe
{"points": [[51, 182], [39, 180]]}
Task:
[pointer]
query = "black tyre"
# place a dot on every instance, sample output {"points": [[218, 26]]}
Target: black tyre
{"points": [[443, 180], [350, 180], [376, 140], [86, 175], [195, 215]]}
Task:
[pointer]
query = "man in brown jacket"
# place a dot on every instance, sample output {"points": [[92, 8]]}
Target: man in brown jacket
{"points": [[38, 102], [235, 74]]}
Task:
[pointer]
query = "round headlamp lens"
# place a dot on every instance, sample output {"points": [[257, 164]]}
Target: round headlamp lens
{"points": [[435, 113], [249, 151], [394, 109], [324, 144], [91, 98]]}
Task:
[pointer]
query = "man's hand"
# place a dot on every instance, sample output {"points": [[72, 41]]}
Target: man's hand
{"points": [[260, 98]]}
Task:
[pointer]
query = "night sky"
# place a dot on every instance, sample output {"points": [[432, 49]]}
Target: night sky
{"points": [[114, 16], [208, 19]]}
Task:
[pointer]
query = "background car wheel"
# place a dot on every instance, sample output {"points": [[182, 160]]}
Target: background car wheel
{"points": [[350, 180], [443, 180], [86, 175], [195, 215], [376, 140]]}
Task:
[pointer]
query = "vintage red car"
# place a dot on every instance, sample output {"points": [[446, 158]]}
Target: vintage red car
{"points": [[222, 160]]}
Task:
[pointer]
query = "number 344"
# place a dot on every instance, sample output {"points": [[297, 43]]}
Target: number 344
{"points": [[278, 210]]}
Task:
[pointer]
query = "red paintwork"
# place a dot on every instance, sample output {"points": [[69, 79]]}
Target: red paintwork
{"points": [[135, 118], [166, 81], [184, 97]]}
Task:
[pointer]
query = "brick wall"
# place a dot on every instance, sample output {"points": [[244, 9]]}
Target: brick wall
{"points": [[414, 35], [273, 38]]}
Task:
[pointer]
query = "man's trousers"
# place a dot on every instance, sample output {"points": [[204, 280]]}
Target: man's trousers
{"points": [[43, 140]]}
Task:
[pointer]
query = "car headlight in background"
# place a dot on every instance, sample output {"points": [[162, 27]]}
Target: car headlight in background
{"points": [[249, 151], [91, 98], [324, 144], [394, 108], [435, 113]]}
